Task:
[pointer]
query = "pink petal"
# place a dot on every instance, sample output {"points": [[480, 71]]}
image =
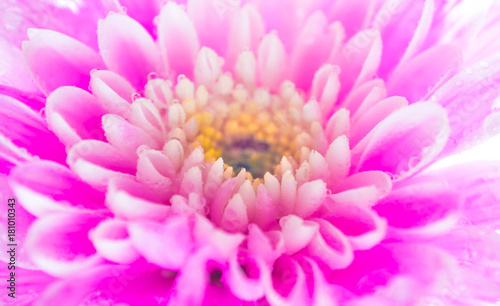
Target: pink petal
{"points": [[178, 39], [112, 91], [271, 61], [26, 129], [413, 82], [266, 246], [112, 241], [59, 191], [146, 116], [245, 33], [287, 283], [74, 114], [468, 98], [246, 69], [359, 94], [369, 119], [309, 197], [12, 61], [59, 244], [325, 88], [208, 67], [126, 137], [265, 208], [297, 233], [56, 60], [405, 141], [423, 206], [245, 277], [127, 48], [378, 179], [144, 12], [359, 60], [175, 246], [97, 162], [339, 124], [313, 47], [338, 158], [130, 200], [363, 227], [330, 246]]}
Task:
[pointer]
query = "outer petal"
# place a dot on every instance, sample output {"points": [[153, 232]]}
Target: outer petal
{"points": [[56, 60], [271, 60], [405, 141], [59, 244], [60, 190], [74, 114], [127, 48], [178, 40]]}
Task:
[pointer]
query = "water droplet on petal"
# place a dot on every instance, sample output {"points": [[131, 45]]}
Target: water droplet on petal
{"points": [[142, 148], [124, 9], [42, 112], [136, 96], [414, 161], [152, 76], [93, 72], [181, 77]]}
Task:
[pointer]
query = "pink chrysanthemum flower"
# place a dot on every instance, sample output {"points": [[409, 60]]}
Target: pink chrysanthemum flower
{"points": [[257, 153]]}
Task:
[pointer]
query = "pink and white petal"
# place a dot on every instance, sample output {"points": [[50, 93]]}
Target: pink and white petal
{"points": [[375, 96], [246, 277], [266, 246], [264, 207], [314, 45], [23, 220], [144, 12], [156, 171], [421, 207], [176, 241], [359, 60], [399, 31], [338, 157], [378, 179], [297, 233], [245, 33], [414, 83], [59, 244], [354, 15], [287, 283], [55, 60], [130, 200], [112, 91], [96, 162], [127, 48], [362, 226], [364, 196], [59, 191], [369, 119], [18, 76], [11, 155], [468, 99], [320, 291], [74, 114], [112, 241], [26, 129], [211, 20], [235, 217], [246, 69], [271, 62], [221, 199], [146, 116], [405, 141], [117, 284], [330, 246], [178, 40], [339, 124], [125, 137], [208, 67], [477, 182], [326, 87], [359, 94], [309, 197]]}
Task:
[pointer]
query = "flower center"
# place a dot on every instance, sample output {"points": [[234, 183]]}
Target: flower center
{"points": [[251, 129]]}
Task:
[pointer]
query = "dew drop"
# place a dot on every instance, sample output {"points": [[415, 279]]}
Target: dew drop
{"points": [[142, 148], [42, 112], [152, 76], [136, 96], [181, 77], [93, 72], [124, 9], [414, 161]]}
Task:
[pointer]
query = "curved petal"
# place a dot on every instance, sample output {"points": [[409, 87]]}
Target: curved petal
{"points": [[271, 61], [175, 237], [74, 114], [113, 92], [55, 60], [405, 141], [59, 244], [59, 191], [178, 40], [423, 206], [112, 241], [127, 48]]}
